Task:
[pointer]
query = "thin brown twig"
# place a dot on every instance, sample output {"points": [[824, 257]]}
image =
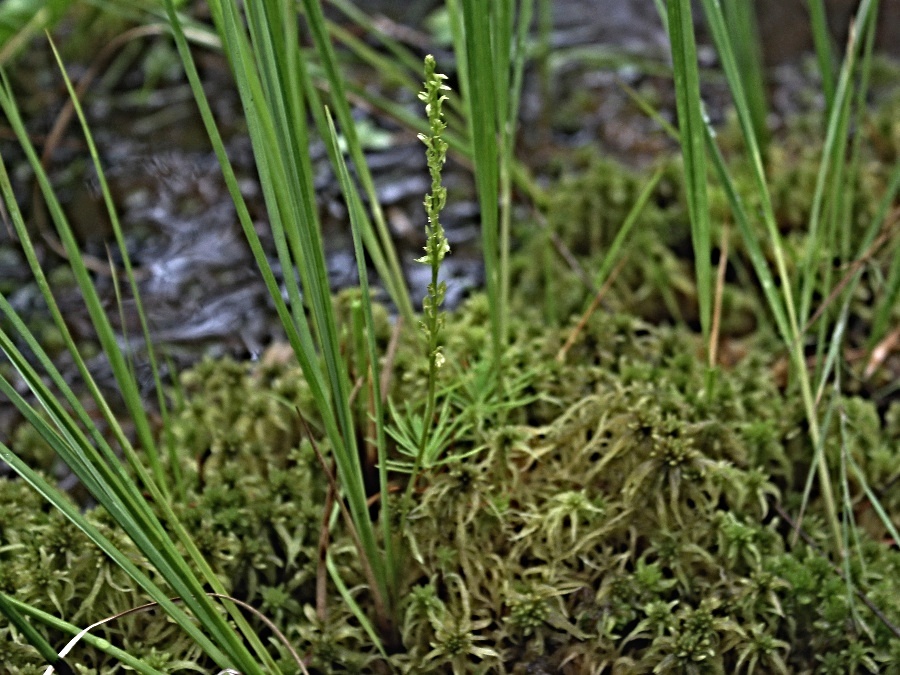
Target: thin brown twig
{"points": [[387, 370], [269, 624], [324, 541], [368, 572], [888, 232], [561, 356]]}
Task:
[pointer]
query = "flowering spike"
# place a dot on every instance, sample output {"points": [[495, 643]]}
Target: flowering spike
{"points": [[436, 247]]}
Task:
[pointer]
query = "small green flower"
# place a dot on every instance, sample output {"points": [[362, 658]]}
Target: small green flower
{"points": [[436, 247], [436, 244]]}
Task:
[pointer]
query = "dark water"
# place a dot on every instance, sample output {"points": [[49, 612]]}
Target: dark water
{"points": [[198, 280]]}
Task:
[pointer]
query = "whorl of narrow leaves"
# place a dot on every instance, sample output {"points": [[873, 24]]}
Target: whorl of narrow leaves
{"points": [[436, 245]]}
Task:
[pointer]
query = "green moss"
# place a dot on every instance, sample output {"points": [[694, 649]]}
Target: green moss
{"points": [[615, 517], [601, 513], [589, 204]]}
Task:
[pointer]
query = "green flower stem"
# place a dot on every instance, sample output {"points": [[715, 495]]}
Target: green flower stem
{"points": [[436, 247]]}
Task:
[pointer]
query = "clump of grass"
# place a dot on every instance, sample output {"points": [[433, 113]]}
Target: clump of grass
{"points": [[617, 517], [788, 296]]}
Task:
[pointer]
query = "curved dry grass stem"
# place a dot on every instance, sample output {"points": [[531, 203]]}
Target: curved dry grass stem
{"points": [[598, 298], [153, 605]]}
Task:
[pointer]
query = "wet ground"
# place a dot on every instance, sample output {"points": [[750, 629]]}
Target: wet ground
{"points": [[197, 277]]}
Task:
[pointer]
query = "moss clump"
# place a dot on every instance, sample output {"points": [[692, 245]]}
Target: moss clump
{"points": [[47, 563], [586, 211], [604, 513], [618, 516], [588, 206], [253, 505], [634, 529]]}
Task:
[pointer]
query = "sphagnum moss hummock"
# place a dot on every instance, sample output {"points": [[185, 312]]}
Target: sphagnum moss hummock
{"points": [[628, 592]]}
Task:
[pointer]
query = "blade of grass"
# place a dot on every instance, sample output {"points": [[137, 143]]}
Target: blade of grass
{"points": [[867, 40], [542, 59], [480, 91], [890, 297], [647, 108], [828, 239], [134, 403], [793, 339], [741, 17], [831, 168], [17, 30], [22, 331], [132, 507], [693, 140], [834, 202], [606, 57], [630, 220], [11, 611], [61, 502], [403, 58], [844, 175], [353, 605], [130, 392], [93, 303], [309, 250], [511, 52], [822, 43], [501, 42], [883, 515], [830, 365], [750, 236], [458, 36], [718, 28], [356, 216], [271, 80], [778, 304], [380, 247], [104, 479], [295, 326], [850, 530]]}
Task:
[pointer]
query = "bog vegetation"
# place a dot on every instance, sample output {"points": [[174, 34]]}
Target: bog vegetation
{"points": [[657, 457]]}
